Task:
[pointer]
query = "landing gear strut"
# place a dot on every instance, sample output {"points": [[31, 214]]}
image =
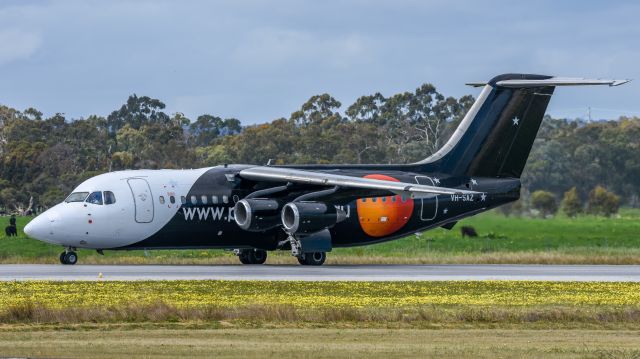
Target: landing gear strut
{"points": [[68, 257], [316, 249], [252, 256]]}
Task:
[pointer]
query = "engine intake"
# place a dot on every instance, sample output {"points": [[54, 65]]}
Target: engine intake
{"points": [[310, 217], [257, 214]]}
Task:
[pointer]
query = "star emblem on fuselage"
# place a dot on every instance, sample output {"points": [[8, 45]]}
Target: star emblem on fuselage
{"points": [[436, 180], [483, 197], [516, 121], [474, 182]]}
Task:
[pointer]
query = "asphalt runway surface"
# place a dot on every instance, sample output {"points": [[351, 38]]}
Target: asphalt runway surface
{"points": [[608, 273]]}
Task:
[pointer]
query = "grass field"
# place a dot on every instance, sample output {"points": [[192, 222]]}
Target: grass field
{"points": [[301, 294], [502, 239], [126, 342], [324, 320], [440, 304]]}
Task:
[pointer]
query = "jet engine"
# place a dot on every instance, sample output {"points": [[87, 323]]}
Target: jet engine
{"points": [[310, 217], [257, 214]]}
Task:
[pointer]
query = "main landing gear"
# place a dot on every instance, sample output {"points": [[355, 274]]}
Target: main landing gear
{"points": [[259, 256], [68, 257], [312, 258], [252, 256], [311, 250]]}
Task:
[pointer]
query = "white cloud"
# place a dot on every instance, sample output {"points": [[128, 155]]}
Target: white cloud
{"points": [[272, 47], [17, 45]]}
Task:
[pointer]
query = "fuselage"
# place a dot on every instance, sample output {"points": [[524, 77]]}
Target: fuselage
{"points": [[162, 209]]}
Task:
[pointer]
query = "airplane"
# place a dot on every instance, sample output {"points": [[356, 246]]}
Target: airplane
{"points": [[311, 209]]}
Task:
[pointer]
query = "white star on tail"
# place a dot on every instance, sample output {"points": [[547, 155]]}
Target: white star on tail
{"points": [[516, 120], [483, 197], [436, 180], [474, 182]]}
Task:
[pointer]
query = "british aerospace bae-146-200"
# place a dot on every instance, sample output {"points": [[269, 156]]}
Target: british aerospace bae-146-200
{"points": [[310, 209]]}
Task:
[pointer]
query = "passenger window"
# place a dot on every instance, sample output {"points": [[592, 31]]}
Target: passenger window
{"points": [[214, 199], [161, 199], [194, 199], [183, 199], [225, 199], [394, 198], [95, 198], [364, 200], [403, 198], [109, 197], [374, 199], [204, 199], [172, 199], [384, 199]]}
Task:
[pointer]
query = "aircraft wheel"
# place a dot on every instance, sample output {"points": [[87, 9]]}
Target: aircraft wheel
{"points": [[313, 259], [245, 257], [70, 258], [258, 256], [62, 257]]}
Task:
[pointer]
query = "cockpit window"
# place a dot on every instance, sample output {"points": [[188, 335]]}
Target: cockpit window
{"points": [[109, 197], [77, 197], [95, 198]]}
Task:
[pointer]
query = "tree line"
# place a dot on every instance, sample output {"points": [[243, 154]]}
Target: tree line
{"points": [[43, 159]]}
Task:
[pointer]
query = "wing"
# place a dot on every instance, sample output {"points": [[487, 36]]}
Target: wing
{"points": [[280, 174]]}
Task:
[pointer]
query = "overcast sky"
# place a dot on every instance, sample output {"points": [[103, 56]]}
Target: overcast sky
{"points": [[260, 60]]}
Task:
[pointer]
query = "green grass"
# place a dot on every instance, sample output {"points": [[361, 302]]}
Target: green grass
{"points": [[585, 239], [516, 234], [178, 342]]}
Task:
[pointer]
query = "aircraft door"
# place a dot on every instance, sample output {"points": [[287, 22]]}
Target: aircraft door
{"points": [[142, 198], [429, 203]]}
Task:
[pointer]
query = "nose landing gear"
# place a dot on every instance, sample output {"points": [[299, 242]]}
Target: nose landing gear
{"points": [[68, 257]]}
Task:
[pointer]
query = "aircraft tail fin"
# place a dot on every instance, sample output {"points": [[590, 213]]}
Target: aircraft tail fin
{"points": [[496, 135]]}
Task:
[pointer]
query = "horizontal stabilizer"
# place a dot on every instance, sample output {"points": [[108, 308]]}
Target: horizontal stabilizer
{"points": [[553, 81]]}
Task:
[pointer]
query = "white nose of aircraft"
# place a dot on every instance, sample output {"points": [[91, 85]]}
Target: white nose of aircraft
{"points": [[38, 228], [41, 227]]}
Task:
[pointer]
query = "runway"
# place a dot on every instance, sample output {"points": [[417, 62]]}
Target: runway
{"points": [[608, 273]]}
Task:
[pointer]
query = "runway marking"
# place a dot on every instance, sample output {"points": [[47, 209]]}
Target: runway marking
{"points": [[593, 273]]}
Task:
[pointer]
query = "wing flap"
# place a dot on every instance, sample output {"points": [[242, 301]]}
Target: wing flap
{"points": [[280, 174]]}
